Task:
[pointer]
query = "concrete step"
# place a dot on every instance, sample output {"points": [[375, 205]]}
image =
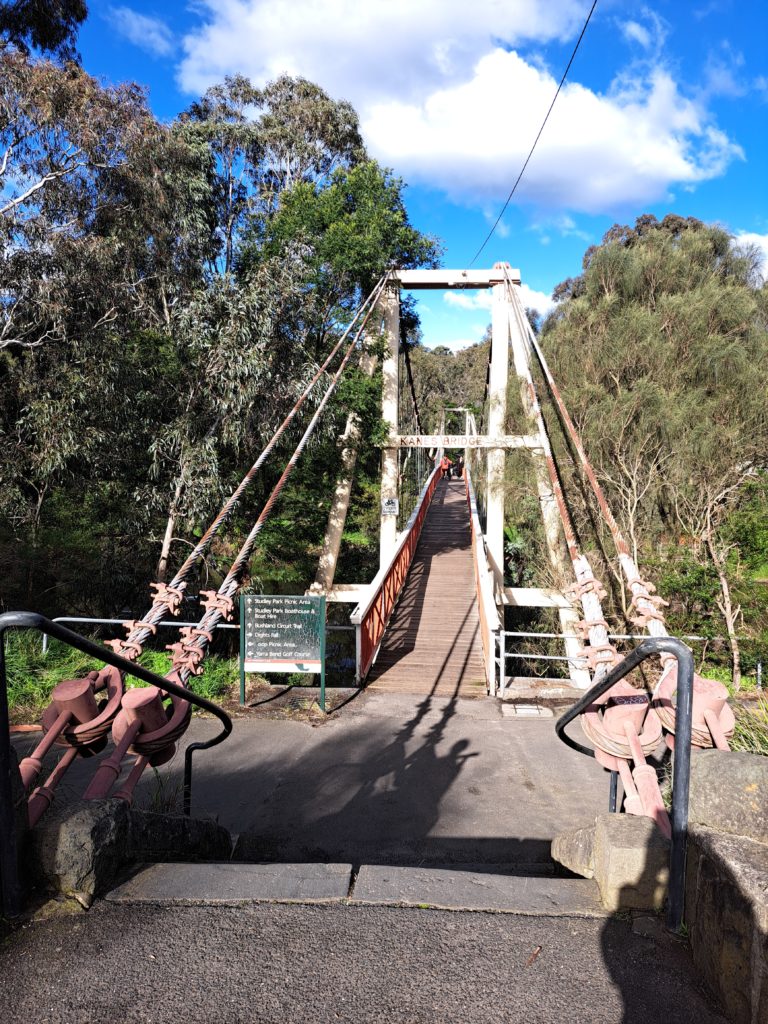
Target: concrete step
{"points": [[458, 887], [555, 693]]}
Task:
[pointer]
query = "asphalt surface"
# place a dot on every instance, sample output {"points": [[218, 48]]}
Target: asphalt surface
{"points": [[389, 779], [282, 964]]}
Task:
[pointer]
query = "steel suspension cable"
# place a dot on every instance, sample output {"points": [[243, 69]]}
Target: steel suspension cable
{"points": [[191, 651], [648, 606], [168, 596], [587, 589]]}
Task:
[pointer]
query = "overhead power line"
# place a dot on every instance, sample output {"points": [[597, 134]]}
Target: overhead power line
{"points": [[538, 136]]}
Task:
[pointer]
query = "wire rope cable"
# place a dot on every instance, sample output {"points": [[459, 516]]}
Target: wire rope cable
{"points": [[169, 595], [538, 136], [199, 637]]}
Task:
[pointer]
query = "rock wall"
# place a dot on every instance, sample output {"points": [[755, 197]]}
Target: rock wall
{"points": [[726, 905]]}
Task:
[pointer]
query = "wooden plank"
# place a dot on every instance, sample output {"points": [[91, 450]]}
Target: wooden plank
{"points": [[433, 644]]}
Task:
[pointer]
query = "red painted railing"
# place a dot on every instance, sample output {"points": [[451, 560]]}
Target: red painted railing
{"points": [[371, 616]]}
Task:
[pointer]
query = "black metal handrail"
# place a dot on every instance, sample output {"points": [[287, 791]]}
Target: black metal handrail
{"points": [[682, 761], [10, 886]]}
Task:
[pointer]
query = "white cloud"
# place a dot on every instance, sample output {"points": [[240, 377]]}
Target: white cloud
{"points": [[637, 33], [540, 301], [150, 34], [363, 51], [598, 152], [759, 241], [482, 298], [445, 99]]}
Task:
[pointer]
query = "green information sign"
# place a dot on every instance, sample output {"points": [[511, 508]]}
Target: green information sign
{"points": [[281, 633]]}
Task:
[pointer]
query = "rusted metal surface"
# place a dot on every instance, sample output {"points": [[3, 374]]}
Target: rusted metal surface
{"points": [[713, 719], [588, 589], [432, 644], [623, 727]]}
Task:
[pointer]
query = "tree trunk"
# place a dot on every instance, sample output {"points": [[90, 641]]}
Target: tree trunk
{"points": [[170, 525], [337, 517], [726, 607], [35, 538]]}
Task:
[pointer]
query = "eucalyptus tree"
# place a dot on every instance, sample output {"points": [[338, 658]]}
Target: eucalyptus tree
{"points": [[264, 141], [42, 25], [660, 347], [101, 237]]}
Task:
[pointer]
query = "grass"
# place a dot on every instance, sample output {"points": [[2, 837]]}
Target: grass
{"points": [[751, 732], [32, 675]]}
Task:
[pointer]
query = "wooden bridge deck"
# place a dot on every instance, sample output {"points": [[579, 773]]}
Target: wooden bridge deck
{"points": [[433, 643]]}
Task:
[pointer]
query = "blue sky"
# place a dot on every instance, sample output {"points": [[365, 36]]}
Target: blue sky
{"points": [[665, 110]]}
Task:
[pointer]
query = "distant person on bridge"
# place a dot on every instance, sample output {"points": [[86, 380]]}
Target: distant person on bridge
{"points": [[458, 468], [445, 465]]}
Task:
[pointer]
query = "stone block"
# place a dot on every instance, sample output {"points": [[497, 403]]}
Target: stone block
{"points": [[164, 837], [726, 911], [729, 792], [575, 850], [631, 862], [82, 849]]}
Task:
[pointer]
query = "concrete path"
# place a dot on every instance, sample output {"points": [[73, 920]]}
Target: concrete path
{"points": [[337, 964], [390, 779]]}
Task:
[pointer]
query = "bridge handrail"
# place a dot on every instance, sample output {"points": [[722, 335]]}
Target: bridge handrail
{"points": [[682, 756], [371, 616], [490, 624], [10, 887]]}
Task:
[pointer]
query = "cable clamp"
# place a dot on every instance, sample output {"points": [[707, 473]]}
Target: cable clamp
{"points": [[133, 624], [583, 626], [171, 597], [600, 654], [591, 586], [213, 601], [186, 656], [128, 649]]}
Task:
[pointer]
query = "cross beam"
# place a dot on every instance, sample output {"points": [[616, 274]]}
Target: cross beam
{"points": [[462, 441], [454, 278]]}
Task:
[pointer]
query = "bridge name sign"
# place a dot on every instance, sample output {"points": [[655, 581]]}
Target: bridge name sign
{"points": [[464, 441]]}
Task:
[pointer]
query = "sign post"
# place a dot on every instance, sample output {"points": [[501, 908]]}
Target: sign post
{"points": [[282, 634]]}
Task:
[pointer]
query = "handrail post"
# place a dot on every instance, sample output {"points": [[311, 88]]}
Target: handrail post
{"points": [[681, 780], [503, 663], [682, 760], [10, 883]]}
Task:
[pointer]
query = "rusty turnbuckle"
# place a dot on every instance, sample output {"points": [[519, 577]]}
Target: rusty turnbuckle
{"points": [[623, 728], [75, 719], [713, 720]]}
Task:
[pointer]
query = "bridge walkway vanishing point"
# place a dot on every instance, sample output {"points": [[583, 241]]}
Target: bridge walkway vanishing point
{"points": [[432, 643]]}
